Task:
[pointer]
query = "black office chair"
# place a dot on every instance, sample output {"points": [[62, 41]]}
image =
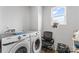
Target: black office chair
{"points": [[47, 40]]}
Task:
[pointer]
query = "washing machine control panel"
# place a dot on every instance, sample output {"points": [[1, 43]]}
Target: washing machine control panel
{"points": [[23, 36]]}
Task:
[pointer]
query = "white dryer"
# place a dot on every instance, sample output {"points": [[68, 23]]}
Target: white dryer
{"points": [[36, 42], [16, 44]]}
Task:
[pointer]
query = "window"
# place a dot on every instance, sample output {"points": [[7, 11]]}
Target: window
{"points": [[58, 15]]}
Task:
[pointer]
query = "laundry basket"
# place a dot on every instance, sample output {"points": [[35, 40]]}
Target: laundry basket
{"points": [[62, 48]]}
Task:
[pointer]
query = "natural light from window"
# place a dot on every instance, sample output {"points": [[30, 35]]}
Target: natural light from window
{"points": [[59, 15]]}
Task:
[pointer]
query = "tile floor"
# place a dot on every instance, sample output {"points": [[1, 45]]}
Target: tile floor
{"points": [[44, 50]]}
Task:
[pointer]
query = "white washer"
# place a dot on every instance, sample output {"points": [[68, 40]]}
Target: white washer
{"points": [[16, 44], [35, 42]]}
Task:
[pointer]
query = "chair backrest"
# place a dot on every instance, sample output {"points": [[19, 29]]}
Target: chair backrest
{"points": [[47, 35]]}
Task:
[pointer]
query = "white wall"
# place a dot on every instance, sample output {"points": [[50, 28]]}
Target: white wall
{"points": [[62, 34], [0, 19], [26, 18], [14, 17], [39, 18], [35, 18]]}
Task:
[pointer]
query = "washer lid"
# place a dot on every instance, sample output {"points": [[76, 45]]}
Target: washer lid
{"points": [[9, 39]]}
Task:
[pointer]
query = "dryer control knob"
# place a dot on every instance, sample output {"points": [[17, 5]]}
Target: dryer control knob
{"points": [[36, 33], [19, 37], [24, 35]]}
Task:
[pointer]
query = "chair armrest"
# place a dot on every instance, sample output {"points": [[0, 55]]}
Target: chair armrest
{"points": [[42, 39], [52, 41]]}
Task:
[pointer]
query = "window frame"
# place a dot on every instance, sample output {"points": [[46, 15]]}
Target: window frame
{"points": [[52, 17]]}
